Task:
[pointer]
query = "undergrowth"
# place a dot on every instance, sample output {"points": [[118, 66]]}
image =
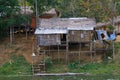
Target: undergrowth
{"points": [[16, 66]]}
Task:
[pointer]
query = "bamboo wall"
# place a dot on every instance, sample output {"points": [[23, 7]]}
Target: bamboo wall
{"points": [[80, 36], [48, 39]]}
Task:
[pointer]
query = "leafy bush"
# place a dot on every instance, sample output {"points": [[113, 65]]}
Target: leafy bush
{"points": [[110, 27], [90, 66], [48, 62], [73, 65]]}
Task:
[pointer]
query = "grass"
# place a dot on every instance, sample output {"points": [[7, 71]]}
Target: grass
{"points": [[91, 68], [16, 66]]}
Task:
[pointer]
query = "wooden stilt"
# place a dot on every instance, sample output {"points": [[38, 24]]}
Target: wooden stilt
{"points": [[58, 54], [67, 48], [113, 49], [79, 52]]}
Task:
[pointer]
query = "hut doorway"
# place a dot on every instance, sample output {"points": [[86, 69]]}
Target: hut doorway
{"points": [[63, 38]]}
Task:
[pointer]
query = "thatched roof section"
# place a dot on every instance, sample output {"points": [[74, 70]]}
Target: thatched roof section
{"points": [[26, 10], [100, 24], [69, 23], [50, 14], [63, 25], [51, 11], [117, 19]]}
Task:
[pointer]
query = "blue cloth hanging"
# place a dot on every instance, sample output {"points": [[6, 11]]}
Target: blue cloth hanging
{"points": [[111, 37], [106, 37], [99, 32]]}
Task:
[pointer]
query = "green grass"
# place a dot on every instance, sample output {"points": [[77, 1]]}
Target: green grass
{"points": [[109, 68], [117, 46], [16, 66]]}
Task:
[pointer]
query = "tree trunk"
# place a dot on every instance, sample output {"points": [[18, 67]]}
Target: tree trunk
{"points": [[11, 36]]}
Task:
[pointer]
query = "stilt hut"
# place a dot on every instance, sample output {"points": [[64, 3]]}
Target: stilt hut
{"points": [[77, 30], [64, 39], [65, 32]]}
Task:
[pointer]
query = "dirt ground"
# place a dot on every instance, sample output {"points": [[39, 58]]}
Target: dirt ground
{"points": [[20, 46], [24, 47], [118, 38]]}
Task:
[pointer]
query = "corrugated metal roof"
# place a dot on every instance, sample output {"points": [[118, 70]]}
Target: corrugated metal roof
{"points": [[51, 31], [69, 23]]}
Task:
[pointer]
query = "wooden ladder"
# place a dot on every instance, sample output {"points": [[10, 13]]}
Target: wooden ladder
{"points": [[40, 66]]}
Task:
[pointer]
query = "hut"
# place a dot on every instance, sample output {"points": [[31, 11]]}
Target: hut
{"points": [[54, 31], [68, 38], [65, 35]]}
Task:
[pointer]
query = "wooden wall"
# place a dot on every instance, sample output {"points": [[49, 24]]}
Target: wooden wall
{"points": [[48, 39], [80, 36]]}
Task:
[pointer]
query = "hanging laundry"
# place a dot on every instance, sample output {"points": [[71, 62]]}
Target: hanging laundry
{"points": [[104, 38], [102, 35], [102, 32]]}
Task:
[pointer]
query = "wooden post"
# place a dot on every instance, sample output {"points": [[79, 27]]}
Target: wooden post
{"points": [[11, 36], [79, 48], [90, 51], [13, 33], [67, 48], [113, 49], [94, 45], [58, 54], [26, 32], [44, 60], [91, 46], [79, 51]]}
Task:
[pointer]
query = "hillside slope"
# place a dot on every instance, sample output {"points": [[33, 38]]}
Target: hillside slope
{"points": [[21, 46]]}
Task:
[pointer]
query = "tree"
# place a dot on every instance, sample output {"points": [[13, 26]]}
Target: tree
{"points": [[7, 11], [102, 10], [10, 16]]}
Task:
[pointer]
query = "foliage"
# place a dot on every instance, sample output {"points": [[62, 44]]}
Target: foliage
{"points": [[7, 11], [73, 65], [96, 68], [118, 7], [16, 66], [100, 10], [10, 16], [110, 27], [117, 47], [48, 62], [3, 28], [8, 8]]}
